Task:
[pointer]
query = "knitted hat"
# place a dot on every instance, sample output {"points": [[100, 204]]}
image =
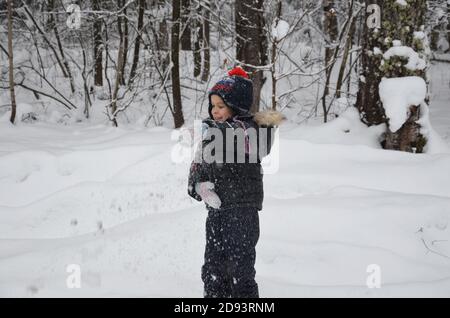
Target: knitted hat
{"points": [[236, 90]]}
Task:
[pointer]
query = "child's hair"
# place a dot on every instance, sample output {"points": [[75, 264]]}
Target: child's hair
{"points": [[236, 90]]}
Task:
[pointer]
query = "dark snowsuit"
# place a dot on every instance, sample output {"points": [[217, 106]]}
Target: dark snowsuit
{"points": [[232, 231]]}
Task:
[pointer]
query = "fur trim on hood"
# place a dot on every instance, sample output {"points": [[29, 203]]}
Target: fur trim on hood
{"points": [[269, 118]]}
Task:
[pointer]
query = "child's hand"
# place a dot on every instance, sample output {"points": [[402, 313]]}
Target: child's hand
{"points": [[205, 190]]}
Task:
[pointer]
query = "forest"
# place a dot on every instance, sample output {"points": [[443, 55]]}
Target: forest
{"points": [[152, 62]]}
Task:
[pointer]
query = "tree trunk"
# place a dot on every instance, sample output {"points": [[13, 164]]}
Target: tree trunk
{"points": [[407, 137], [137, 44], [123, 34], [434, 38], [448, 24], [163, 40], [198, 44], [331, 30], [206, 39], [125, 43], [186, 44], [117, 83], [52, 23], [345, 56], [164, 36], [398, 22], [274, 58], [161, 35], [98, 48], [368, 99], [11, 63], [251, 43], [176, 89]]}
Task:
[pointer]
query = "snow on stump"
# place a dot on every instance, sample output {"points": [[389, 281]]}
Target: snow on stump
{"points": [[403, 98], [398, 95]]}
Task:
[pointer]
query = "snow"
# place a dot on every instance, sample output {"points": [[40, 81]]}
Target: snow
{"points": [[419, 35], [414, 61], [440, 96], [280, 29], [397, 43], [435, 144], [402, 2], [398, 94], [443, 45], [377, 51], [112, 202]]}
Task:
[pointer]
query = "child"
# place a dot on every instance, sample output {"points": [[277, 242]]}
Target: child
{"points": [[232, 191]]}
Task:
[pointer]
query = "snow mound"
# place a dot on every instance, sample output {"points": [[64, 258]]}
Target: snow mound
{"points": [[414, 61]]}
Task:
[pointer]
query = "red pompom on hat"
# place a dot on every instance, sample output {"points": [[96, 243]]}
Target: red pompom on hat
{"points": [[238, 71]]}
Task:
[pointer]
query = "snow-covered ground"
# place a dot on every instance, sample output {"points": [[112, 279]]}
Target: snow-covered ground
{"points": [[338, 213]]}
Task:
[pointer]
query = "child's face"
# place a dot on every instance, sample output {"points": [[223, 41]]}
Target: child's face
{"points": [[220, 111]]}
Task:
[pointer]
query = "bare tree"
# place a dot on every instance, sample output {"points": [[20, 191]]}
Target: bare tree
{"points": [[186, 44], [122, 25], [60, 61], [201, 39], [448, 24], [98, 46], [251, 43], [343, 36], [137, 43], [198, 43], [52, 21], [175, 49], [331, 31], [119, 76], [11, 63], [345, 56], [275, 42], [206, 41]]}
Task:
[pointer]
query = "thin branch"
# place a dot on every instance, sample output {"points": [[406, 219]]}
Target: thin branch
{"points": [[432, 251]]}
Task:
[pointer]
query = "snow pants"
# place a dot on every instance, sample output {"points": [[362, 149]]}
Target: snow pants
{"points": [[229, 267]]}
